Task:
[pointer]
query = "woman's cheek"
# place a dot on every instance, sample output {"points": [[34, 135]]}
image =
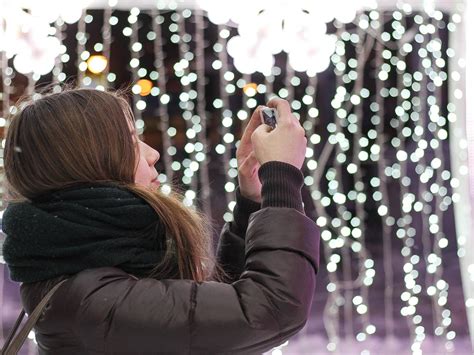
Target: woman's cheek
{"points": [[142, 175]]}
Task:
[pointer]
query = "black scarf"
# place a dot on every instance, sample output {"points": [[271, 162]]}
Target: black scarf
{"points": [[87, 226]]}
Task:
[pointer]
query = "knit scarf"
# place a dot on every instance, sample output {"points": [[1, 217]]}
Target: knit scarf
{"points": [[87, 226]]}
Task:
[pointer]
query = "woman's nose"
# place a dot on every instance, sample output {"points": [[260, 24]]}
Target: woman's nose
{"points": [[154, 156]]}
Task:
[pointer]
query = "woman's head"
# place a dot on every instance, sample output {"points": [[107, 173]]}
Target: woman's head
{"points": [[75, 136], [83, 136]]}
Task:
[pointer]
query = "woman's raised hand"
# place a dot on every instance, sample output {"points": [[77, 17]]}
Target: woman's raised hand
{"points": [[285, 143], [248, 165]]}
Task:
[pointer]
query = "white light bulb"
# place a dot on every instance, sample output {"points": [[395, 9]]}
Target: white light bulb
{"points": [[71, 13], [22, 64], [48, 13], [44, 66], [219, 17]]}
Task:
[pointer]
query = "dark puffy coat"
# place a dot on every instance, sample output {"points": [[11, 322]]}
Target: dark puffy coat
{"points": [[107, 311]]}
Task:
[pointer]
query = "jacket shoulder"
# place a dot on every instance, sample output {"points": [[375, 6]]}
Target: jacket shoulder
{"points": [[57, 328], [112, 311]]}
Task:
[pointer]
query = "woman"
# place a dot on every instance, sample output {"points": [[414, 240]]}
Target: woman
{"points": [[141, 276]]}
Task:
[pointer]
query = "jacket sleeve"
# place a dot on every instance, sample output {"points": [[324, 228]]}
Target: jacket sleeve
{"points": [[269, 303], [231, 247]]}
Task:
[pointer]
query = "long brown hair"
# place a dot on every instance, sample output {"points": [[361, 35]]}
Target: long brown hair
{"points": [[82, 136]]}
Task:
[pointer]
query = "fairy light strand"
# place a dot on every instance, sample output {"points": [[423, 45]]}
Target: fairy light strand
{"points": [[383, 209], [423, 190], [82, 54], [201, 107], [330, 312], [421, 125], [135, 49], [106, 40], [363, 50], [164, 97], [338, 190], [227, 120], [289, 88], [407, 230], [187, 78], [269, 80], [182, 71], [437, 77], [349, 247], [58, 75], [113, 20], [353, 247], [401, 111], [422, 168]]}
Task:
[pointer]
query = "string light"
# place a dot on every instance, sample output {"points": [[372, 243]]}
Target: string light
{"points": [[201, 124], [159, 76], [378, 153], [336, 189], [404, 231], [187, 78], [437, 76], [82, 54], [109, 22], [58, 74], [227, 120], [137, 71], [105, 45], [354, 125]]}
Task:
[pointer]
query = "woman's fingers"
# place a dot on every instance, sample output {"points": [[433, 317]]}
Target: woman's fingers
{"points": [[252, 124], [285, 116]]}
